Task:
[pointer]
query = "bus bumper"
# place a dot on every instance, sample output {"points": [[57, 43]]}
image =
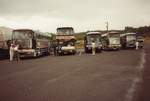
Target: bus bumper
{"points": [[27, 53], [114, 47]]}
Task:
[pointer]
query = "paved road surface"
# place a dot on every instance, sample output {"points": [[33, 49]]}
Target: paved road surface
{"points": [[143, 89], [109, 76]]}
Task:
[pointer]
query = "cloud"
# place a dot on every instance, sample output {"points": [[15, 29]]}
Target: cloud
{"points": [[47, 15]]}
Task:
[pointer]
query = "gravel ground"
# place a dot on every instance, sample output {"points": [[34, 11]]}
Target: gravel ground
{"points": [[108, 76]]}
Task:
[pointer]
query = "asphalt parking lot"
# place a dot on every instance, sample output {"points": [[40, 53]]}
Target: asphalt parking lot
{"points": [[108, 76]]}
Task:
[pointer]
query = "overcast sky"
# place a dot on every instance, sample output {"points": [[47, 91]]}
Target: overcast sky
{"points": [[83, 15]]}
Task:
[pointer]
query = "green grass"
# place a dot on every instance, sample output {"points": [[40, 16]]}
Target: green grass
{"points": [[79, 44]]}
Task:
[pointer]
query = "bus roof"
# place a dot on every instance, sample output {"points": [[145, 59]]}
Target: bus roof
{"points": [[114, 32], [65, 28], [90, 33], [124, 34], [23, 30], [110, 33]]}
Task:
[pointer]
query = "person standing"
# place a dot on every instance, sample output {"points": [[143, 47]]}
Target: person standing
{"points": [[11, 52], [16, 52], [137, 45], [93, 47]]}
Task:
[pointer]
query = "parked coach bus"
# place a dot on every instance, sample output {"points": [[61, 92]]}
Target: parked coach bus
{"points": [[92, 36], [111, 41], [31, 43], [64, 41], [5, 41], [128, 40]]}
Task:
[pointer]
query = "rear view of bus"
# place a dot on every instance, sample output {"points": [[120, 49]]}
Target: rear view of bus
{"points": [[92, 37]]}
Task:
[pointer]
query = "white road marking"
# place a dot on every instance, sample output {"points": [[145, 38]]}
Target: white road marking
{"points": [[137, 80]]}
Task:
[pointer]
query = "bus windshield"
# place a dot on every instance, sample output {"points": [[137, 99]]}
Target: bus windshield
{"points": [[66, 31], [114, 40], [23, 38], [95, 38], [114, 35], [131, 37]]}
